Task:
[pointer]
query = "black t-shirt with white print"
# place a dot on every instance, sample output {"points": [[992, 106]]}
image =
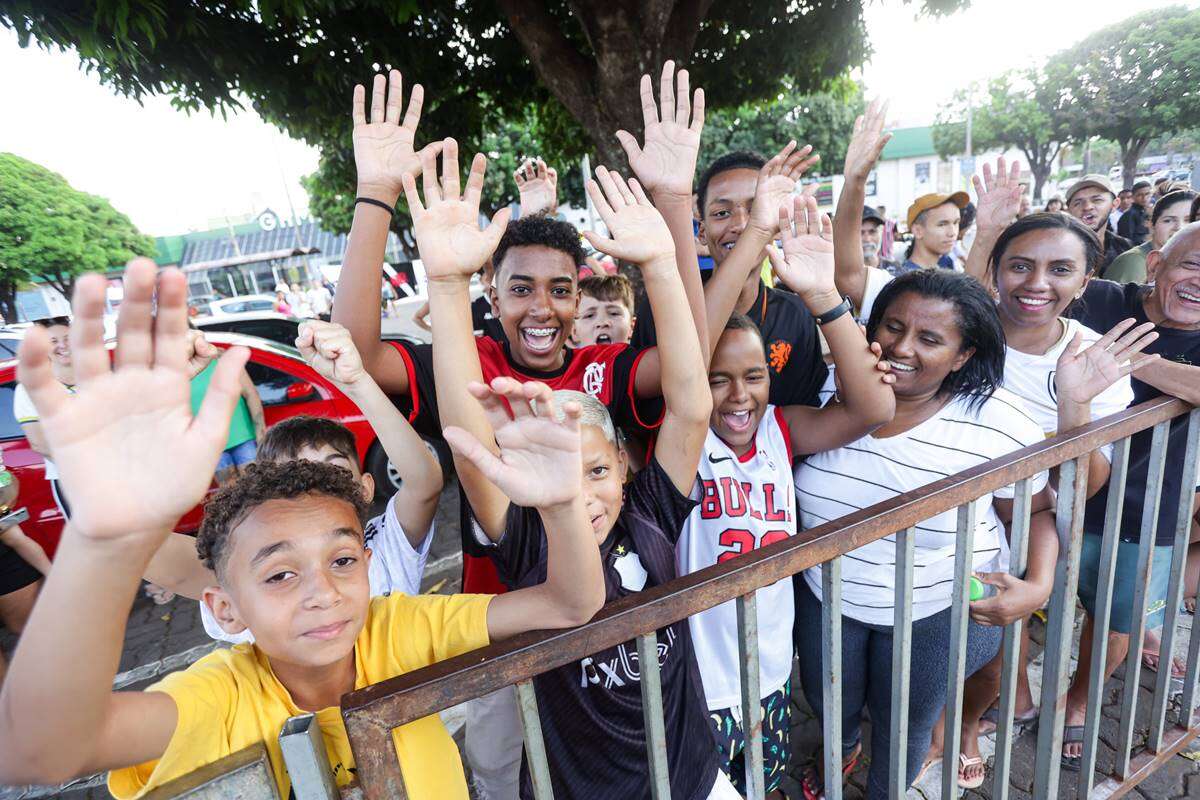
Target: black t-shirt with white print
{"points": [[1103, 305], [591, 710]]}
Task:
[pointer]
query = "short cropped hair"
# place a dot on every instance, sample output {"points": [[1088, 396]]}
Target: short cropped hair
{"points": [[262, 482], [741, 322], [608, 289], [594, 412], [540, 230], [738, 159], [285, 439], [1137, 187]]}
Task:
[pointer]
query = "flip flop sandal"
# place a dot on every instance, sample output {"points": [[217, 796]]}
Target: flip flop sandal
{"points": [[1151, 661], [1021, 722], [925, 768], [964, 763], [814, 787], [1071, 735]]}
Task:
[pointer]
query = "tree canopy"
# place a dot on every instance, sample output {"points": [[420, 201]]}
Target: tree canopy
{"points": [[53, 232], [1133, 81], [1021, 109], [577, 63]]}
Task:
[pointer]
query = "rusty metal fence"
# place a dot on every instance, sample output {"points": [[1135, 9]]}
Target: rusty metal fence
{"points": [[372, 713]]}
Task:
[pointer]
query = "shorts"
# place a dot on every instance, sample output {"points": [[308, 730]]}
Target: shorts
{"points": [[1124, 580], [15, 572], [776, 739], [238, 455]]}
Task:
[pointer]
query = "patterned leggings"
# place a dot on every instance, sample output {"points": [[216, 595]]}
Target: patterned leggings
{"points": [[776, 739]]}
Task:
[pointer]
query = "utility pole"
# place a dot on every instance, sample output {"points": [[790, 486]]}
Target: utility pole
{"points": [[586, 166], [970, 116]]}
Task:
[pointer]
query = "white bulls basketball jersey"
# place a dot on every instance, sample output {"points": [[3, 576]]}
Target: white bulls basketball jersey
{"points": [[745, 503]]}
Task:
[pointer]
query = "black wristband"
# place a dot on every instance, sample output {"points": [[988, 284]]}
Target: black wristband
{"points": [[835, 312], [374, 202]]}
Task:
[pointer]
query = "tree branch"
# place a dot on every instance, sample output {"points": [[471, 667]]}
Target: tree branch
{"points": [[683, 27]]}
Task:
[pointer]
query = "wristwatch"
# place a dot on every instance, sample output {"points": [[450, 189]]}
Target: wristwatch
{"points": [[835, 312]]}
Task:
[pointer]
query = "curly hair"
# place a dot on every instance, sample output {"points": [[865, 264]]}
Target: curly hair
{"points": [[260, 483], [540, 230]]}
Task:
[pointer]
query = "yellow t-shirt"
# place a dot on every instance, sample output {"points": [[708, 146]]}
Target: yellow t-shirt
{"points": [[231, 699]]}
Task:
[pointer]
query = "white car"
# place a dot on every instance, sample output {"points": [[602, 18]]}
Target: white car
{"points": [[239, 305]]}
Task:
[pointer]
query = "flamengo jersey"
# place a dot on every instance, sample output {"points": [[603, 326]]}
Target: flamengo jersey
{"points": [[745, 503]]}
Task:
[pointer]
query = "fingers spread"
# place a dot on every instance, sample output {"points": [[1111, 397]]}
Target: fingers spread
{"points": [[629, 145], [415, 101], [88, 354], [697, 112], [666, 100], [135, 317], [415, 208], [649, 112], [171, 340], [378, 87], [358, 113], [429, 178], [450, 179], [475, 179], [682, 94], [395, 96]]}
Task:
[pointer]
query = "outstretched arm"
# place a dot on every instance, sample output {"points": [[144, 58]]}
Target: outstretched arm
{"points": [[640, 235], [999, 200], [665, 166], [1080, 377], [776, 182], [866, 145], [128, 432], [329, 349], [538, 465], [453, 248], [383, 153], [867, 400]]}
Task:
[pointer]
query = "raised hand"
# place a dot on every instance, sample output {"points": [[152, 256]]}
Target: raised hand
{"points": [[539, 465], [537, 186], [776, 183], [999, 195], [129, 451], [328, 349], [666, 163], [867, 141], [638, 232], [1080, 376], [446, 225], [383, 147], [807, 238]]}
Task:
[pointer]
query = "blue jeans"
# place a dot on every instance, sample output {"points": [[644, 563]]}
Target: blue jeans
{"points": [[867, 678], [238, 455]]}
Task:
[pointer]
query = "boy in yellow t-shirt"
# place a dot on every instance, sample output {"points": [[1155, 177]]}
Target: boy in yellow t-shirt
{"points": [[286, 546]]}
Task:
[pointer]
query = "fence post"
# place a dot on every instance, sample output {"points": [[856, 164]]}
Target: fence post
{"points": [[901, 656], [652, 710], [1104, 592], [747, 625], [1011, 645], [1133, 661], [831, 677], [964, 562], [1060, 625], [303, 748], [535, 745], [1183, 529]]}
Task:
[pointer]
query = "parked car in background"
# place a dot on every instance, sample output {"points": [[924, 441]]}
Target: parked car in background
{"points": [[238, 305], [288, 388], [278, 328]]}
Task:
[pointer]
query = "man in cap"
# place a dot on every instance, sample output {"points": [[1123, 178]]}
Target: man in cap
{"points": [[1133, 224], [933, 220], [873, 226], [1090, 200]]}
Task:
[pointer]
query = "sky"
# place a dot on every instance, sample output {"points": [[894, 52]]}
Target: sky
{"points": [[172, 172]]}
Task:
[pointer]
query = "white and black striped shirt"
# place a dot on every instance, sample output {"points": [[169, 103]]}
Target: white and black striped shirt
{"points": [[839, 482]]}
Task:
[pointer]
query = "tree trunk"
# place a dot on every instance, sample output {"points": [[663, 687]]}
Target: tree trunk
{"points": [[600, 89], [1131, 151]]}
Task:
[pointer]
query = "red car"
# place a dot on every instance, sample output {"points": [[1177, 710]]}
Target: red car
{"points": [[288, 387]]}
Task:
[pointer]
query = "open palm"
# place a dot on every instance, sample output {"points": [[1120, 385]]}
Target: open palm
{"points": [[537, 187], [777, 182], [999, 195], [807, 237], [539, 464], [1081, 376], [132, 457], [445, 224], [637, 231], [867, 141], [383, 146], [667, 160]]}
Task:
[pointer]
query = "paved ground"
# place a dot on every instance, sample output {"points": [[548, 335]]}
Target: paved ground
{"points": [[160, 639]]}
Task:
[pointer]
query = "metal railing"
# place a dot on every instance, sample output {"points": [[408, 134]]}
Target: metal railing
{"points": [[372, 713]]}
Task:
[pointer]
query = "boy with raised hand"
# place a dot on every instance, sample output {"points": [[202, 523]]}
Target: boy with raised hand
{"points": [[399, 538], [286, 544], [591, 712]]}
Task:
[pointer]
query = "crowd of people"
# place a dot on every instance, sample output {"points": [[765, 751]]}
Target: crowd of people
{"points": [[608, 436]]}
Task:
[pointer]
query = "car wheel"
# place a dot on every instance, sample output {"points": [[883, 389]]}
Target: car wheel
{"points": [[387, 477]]}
